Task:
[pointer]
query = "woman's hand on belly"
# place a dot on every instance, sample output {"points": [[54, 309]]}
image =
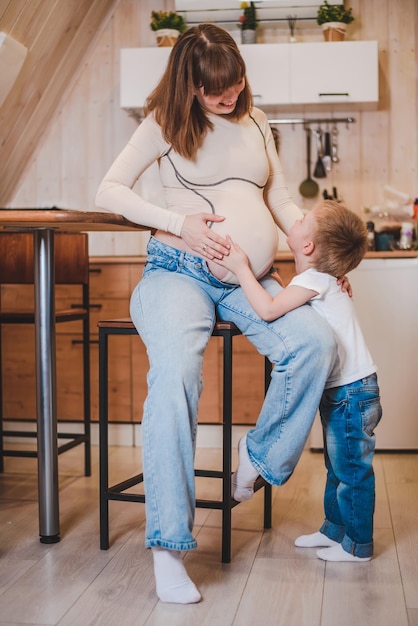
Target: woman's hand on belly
{"points": [[203, 240], [256, 234]]}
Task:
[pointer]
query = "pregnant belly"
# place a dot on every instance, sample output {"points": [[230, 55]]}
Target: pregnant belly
{"points": [[255, 232]]}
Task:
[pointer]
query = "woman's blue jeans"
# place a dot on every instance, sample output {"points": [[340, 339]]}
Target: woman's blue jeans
{"points": [[174, 308], [349, 415]]}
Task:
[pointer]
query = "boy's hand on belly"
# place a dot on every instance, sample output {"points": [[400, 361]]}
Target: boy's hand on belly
{"points": [[202, 239], [236, 260]]}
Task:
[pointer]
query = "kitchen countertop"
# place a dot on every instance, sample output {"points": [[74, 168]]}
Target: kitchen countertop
{"points": [[386, 254], [396, 254], [280, 256]]}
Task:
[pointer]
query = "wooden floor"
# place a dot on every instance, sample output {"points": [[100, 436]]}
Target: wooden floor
{"points": [[268, 582]]}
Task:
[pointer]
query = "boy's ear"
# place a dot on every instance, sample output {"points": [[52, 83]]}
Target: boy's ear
{"points": [[308, 248]]}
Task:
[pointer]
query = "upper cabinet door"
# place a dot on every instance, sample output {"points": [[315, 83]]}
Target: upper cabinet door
{"points": [[140, 71], [330, 72], [268, 72]]}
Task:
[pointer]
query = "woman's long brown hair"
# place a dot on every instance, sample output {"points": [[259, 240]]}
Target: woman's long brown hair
{"points": [[203, 56]]}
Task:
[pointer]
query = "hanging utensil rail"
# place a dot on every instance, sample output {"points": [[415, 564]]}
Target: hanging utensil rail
{"points": [[319, 120]]}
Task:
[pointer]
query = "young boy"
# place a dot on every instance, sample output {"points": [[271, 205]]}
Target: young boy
{"points": [[327, 243]]}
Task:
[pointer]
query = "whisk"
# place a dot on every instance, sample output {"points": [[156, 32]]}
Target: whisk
{"points": [[291, 20]]}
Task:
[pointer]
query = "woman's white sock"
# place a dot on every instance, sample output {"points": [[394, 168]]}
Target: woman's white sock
{"points": [[245, 476], [315, 540], [172, 582], [337, 554]]}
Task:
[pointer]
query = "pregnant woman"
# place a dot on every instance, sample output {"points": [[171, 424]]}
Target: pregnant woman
{"points": [[221, 175]]}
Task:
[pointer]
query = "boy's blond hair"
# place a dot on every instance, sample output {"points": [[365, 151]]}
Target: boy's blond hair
{"points": [[340, 239]]}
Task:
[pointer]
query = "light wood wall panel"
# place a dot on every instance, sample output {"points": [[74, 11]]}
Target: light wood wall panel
{"points": [[57, 34], [89, 128]]}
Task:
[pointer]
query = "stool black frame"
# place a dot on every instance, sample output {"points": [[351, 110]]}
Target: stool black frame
{"points": [[227, 331]]}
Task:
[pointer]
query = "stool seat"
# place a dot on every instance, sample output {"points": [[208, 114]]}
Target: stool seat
{"points": [[226, 330], [122, 323], [28, 317]]}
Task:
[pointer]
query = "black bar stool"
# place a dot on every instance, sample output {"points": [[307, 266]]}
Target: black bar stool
{"points": [[227, 331]]}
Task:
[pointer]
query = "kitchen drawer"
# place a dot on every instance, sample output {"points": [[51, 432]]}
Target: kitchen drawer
{"points": [[19, 382], [248, 382], [107, 310], [21, 297], [109, 280], [210, 407], [119, 377]]}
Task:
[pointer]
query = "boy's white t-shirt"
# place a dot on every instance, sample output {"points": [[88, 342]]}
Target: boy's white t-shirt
{"points": [[354, 360]]}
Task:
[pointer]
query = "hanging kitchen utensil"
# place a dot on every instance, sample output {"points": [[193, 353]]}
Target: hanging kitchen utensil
{"points": [[308, 188], [319, 171], [334, 145], [276, 136], [326, 160]]}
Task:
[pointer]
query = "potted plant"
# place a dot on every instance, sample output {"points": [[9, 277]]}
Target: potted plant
{"points": [[248, 22], [167, 26], [334, 19]]}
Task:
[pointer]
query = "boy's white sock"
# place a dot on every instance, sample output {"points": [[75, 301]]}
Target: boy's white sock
{"points": [[315, 540], [172, 582], [338, 554], [243, 479]]}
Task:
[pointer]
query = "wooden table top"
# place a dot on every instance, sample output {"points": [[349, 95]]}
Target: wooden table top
{"points": [[69, 220], [64, 219]]}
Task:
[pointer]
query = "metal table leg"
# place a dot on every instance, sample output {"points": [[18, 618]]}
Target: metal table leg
{"points": [[46, 386]]}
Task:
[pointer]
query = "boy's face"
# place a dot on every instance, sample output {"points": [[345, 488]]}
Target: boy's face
{"points": [[302, 232]]}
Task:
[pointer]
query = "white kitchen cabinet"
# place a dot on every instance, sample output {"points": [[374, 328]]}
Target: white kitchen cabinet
{"points": [[385, 293], [279, 74], [140, 71], [330, 72], [268, 72]]}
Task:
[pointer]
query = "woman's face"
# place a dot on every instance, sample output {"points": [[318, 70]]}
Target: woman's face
{"points": [[223, 103]]}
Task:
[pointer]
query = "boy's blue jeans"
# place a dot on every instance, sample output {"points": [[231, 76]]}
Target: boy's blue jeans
{"points": [[174, 308], [349, 415]]}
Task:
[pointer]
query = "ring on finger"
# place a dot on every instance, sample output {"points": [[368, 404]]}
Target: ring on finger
{"points": [[204, 247]]}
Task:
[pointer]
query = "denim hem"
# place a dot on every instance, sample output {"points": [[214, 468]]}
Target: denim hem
{"points": [[267, 476], [361, 550], [276, 482], [337, 533], [332, 531], [170, 545]]}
